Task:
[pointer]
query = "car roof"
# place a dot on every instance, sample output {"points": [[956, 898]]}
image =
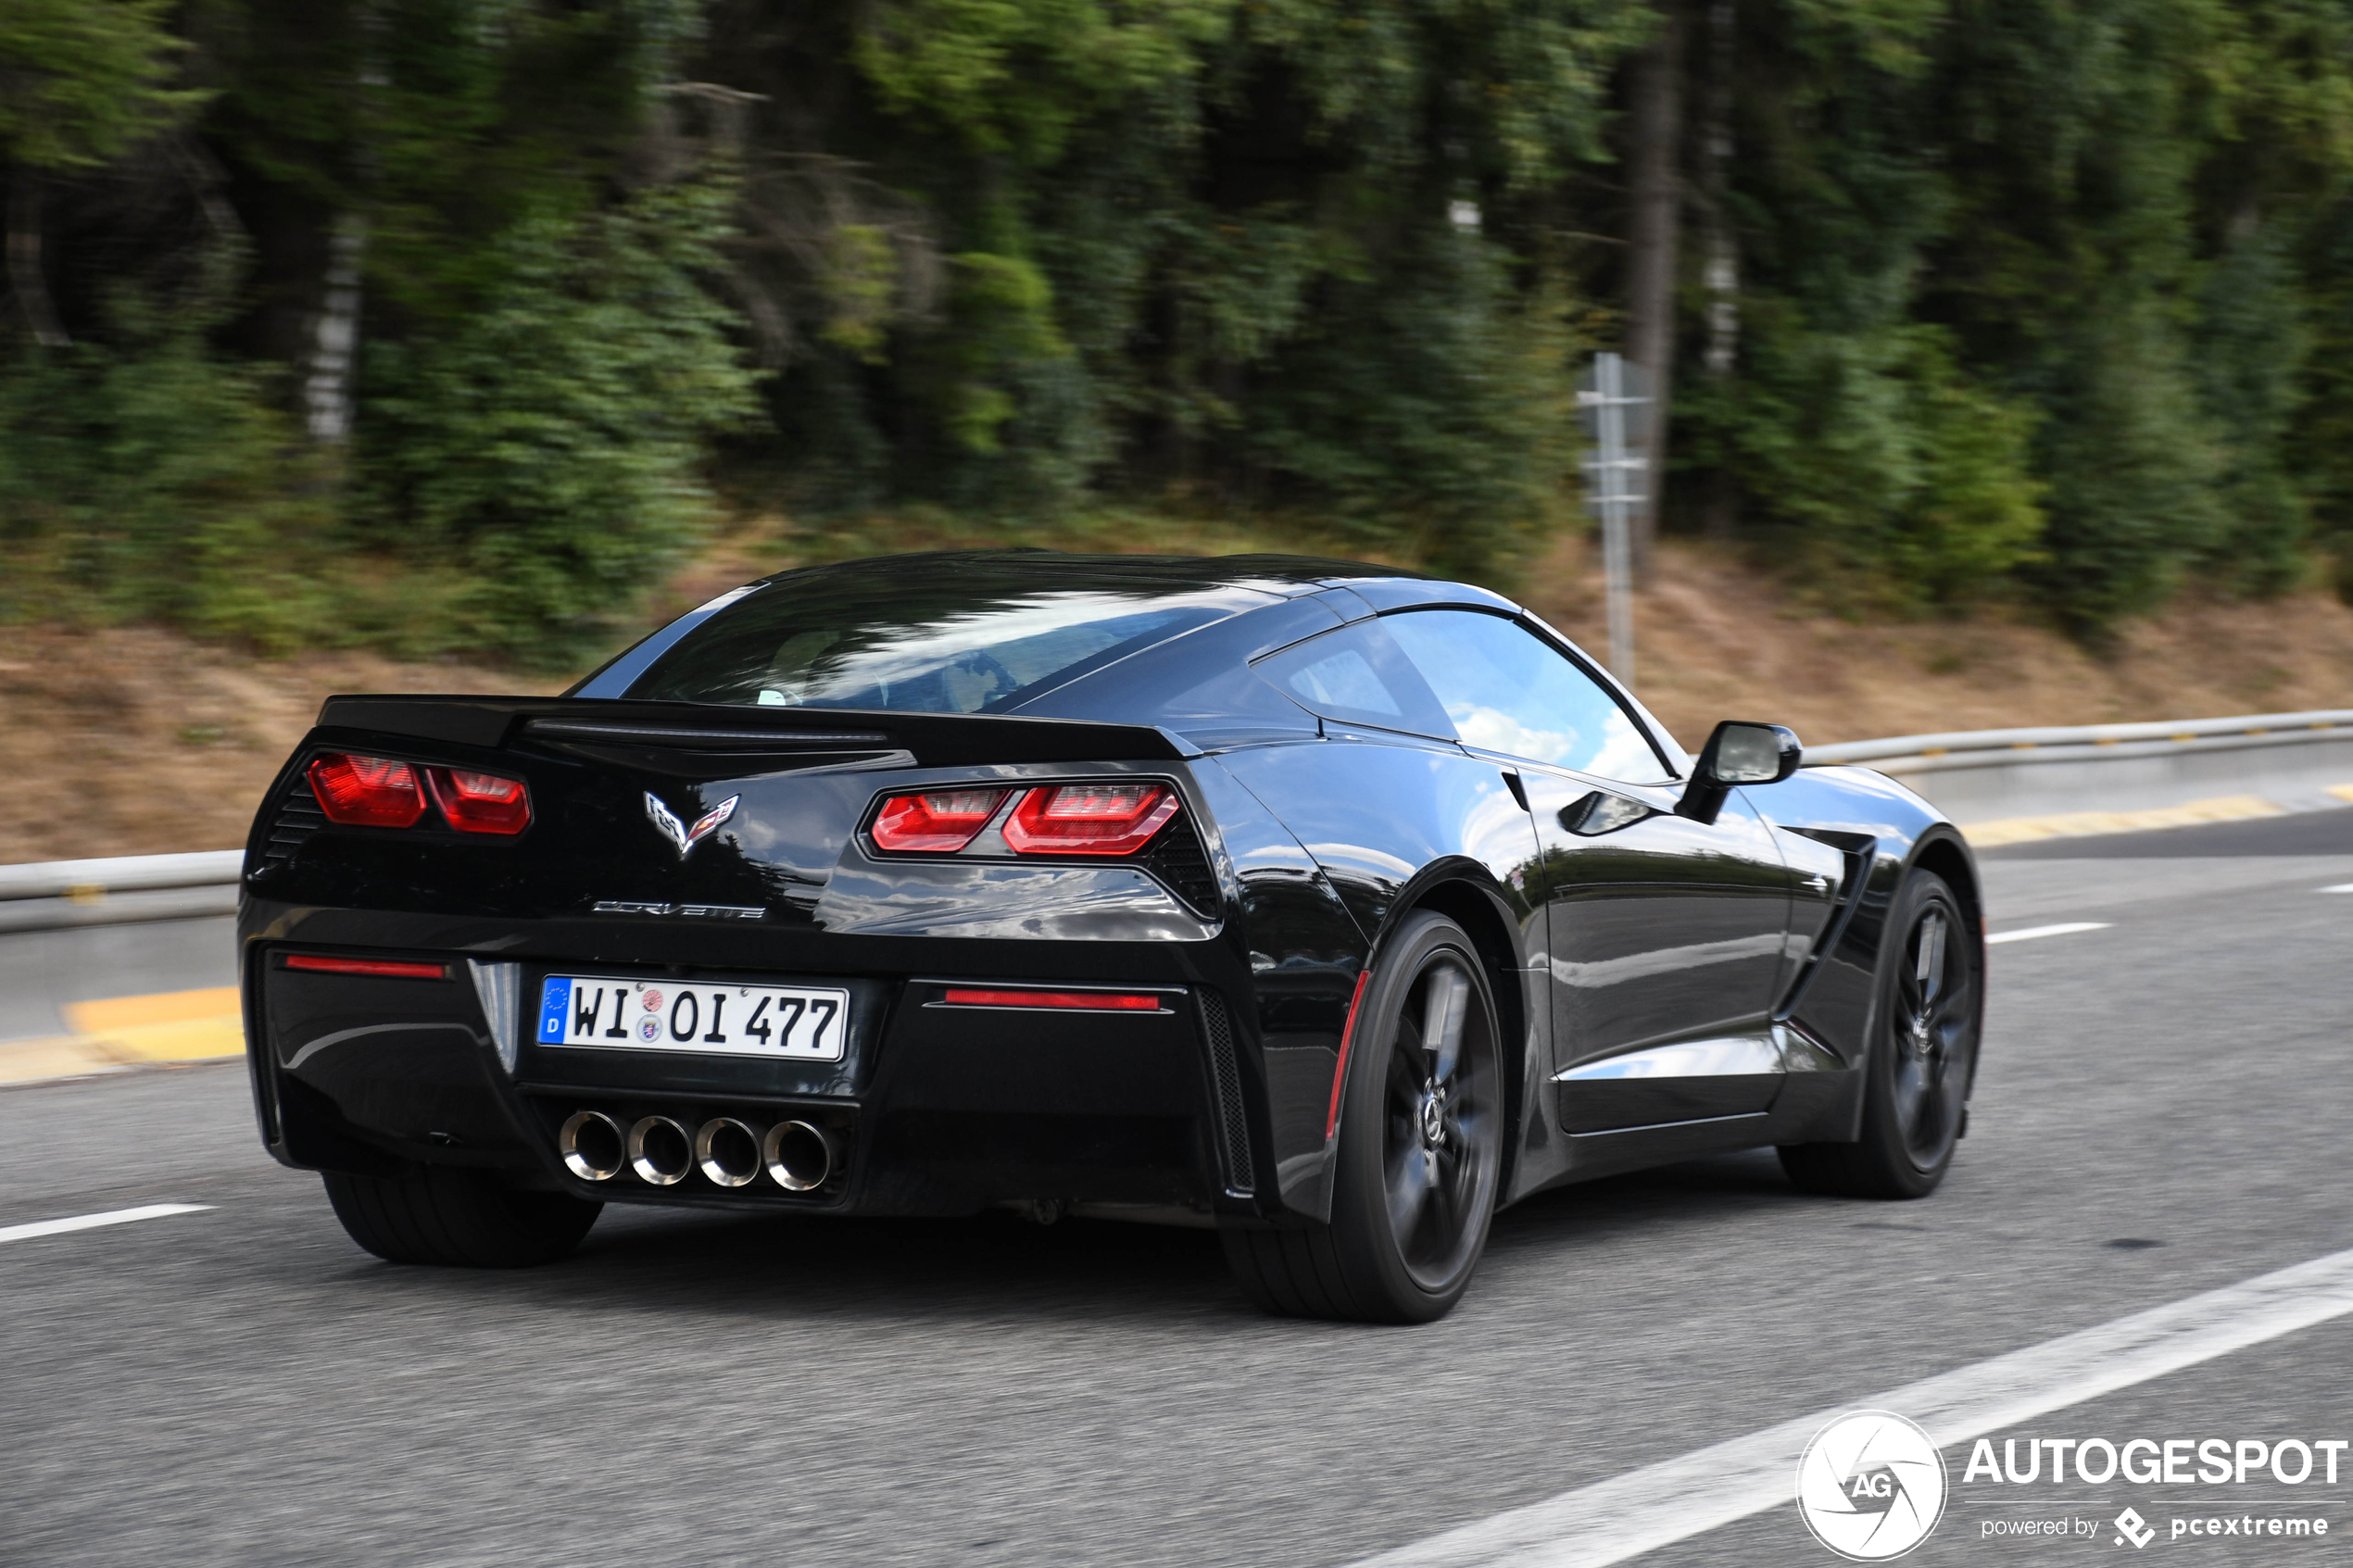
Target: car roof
{"points": [[1276, 575]]}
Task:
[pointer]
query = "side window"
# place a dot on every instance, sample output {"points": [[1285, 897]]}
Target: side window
{"points": [[1357, 676], [1508, 690]]}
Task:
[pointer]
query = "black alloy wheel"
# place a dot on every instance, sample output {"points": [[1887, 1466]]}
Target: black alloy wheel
{"points": [[1421, 1147], [1916, 1084]]}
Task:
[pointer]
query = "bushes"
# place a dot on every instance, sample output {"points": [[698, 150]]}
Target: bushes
{"points": [[548, 443], [143, 476], [1876, 460]]}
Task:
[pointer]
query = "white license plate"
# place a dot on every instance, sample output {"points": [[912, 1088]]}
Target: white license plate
{"points": [[803, 1022]]}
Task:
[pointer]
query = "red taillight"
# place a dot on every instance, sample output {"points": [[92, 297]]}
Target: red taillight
{"points": [[393, 969], [480, 802], [1080, 1001], [367, 792], [936, 820], [1090, 819]]}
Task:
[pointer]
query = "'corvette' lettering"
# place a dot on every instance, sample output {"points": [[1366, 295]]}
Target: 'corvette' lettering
{"points": [[696, 912]]}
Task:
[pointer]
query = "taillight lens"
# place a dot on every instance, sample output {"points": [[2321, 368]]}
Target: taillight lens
{"points": [[367, 792], [393, 969], [1090, 819], [480, 802], [936, 820], [1074, 1001]]}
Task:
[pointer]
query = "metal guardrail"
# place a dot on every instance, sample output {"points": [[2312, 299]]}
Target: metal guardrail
{"points": [[89, 881], [54, 895], [1987, 748], [58, 894]]}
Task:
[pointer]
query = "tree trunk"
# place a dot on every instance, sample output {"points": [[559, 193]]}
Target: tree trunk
{"points": [[1655, 183], [1721, 276], [25, 275], [326, 393]]}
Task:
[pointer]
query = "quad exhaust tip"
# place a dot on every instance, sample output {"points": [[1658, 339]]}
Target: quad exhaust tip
{"points": [[592, 1144], [797, 1156], [661, 1151], [728, 1152]]}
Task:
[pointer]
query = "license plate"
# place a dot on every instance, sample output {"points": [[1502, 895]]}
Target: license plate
{"points": [[805, 1023]]}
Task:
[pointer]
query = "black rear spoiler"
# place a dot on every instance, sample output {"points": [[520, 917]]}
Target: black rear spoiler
{"points": [[935, 740]]}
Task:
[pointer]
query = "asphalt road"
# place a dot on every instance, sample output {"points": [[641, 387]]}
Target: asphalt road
{"points": [[2162, 1110]]}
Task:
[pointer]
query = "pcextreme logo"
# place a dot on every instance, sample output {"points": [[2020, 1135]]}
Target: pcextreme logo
{"points": [[1871, 1485]]}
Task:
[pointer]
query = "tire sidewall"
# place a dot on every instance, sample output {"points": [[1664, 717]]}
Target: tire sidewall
{"points": [[1881, 1132], [1360, 1215]]}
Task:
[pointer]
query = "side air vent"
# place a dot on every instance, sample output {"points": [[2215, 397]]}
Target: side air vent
{"points": [[1179, 863], [1233, 1127], [298, 817]]}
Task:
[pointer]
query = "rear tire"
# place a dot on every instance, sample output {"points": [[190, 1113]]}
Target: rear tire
{"points": [[1924, 1057], [457, 1218], [1421, 1146]]}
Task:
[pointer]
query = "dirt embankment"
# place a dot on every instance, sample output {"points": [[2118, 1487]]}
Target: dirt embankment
{"points": [[136, 741], [1715, 639]]}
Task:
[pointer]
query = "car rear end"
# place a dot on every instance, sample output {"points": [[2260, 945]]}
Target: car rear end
{"points": [[781, 955]]}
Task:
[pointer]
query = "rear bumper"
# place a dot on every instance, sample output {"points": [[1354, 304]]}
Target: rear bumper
{"points": [[935, 1109]]}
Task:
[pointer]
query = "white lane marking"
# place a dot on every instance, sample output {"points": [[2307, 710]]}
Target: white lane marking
{"points": [[2032, 932], [92, 1221], [1661, 1504], [2340, 888]]}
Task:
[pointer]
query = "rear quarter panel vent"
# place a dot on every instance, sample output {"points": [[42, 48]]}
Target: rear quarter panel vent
{"points": [[1178, 862]]}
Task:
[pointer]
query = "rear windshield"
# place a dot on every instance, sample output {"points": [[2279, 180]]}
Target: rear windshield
{"points": [[981, 646]]}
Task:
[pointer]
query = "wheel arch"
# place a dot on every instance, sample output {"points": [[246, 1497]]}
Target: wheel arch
{"points": [[1944, 852]]}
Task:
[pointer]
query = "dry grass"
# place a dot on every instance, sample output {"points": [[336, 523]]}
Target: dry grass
{"points": [[136, 741], [1714, 638]]}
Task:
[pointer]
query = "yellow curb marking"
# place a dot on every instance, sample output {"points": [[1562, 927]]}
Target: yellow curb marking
{"points": [[164, 1007], [168, 1026], [2082, 825], [122, 1031], [60, 1056]]}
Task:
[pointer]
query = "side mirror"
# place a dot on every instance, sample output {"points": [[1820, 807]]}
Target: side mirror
{"points": [[1738, 753]]}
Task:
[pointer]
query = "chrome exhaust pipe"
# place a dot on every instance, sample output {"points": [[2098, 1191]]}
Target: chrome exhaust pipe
{"points": [[591, 1143], [728, 1152], [661, 1151], [797, 1156]]}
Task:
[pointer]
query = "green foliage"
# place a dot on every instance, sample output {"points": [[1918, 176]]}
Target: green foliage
{"points": [[144, 476], [439, 121], [2050, 297], [550, 444], [1017, 76], [82, 79], [1208, 248], [1878, 460], [2100, 204]]}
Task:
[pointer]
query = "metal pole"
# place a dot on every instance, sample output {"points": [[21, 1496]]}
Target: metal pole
{"points": [[1618, 573]]}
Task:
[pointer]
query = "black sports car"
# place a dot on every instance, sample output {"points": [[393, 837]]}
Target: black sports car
{"points": [[1320, 903]]}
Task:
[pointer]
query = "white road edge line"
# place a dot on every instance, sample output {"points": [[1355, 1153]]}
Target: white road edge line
{"points": [[1663, 1503], [2032, 932], [92, 1221]]}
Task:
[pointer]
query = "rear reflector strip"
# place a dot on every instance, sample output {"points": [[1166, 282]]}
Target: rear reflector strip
{"points": [[393, 969], [1076, 1001], [1339, 1068]]}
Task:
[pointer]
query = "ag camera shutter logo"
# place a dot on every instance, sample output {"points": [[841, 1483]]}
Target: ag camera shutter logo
{"points": [[1871, 1485]]}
